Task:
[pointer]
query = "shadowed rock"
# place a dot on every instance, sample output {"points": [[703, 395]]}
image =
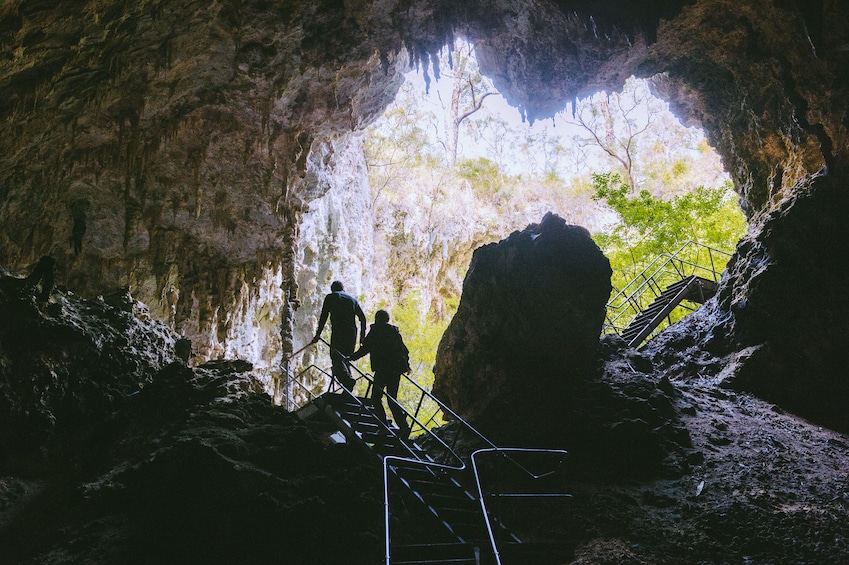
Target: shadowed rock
{"points": [[528, 320], [113, 452]]}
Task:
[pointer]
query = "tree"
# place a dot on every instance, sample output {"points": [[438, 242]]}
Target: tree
{"points": [[647, 226], [434, 203], [398, 142], [614, 123], [468, 92], [544, 153], [494, 133]]}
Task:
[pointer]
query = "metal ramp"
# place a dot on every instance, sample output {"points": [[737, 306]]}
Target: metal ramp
{"points": [[436, 508], [664, 292]]}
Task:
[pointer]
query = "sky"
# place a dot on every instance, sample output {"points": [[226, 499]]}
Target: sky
{"points": [[561, 130]]}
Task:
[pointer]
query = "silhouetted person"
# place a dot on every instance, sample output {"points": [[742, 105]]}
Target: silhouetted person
{"points": [[343, 310], [78, 213], [43, 275], [183, 350], [389, 358]]}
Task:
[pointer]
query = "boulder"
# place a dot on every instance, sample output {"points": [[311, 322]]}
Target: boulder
{"points": [[528, 323]]}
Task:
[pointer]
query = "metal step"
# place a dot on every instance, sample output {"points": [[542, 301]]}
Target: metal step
{"points": [[452, 512], [691, 288], [421, 554]]}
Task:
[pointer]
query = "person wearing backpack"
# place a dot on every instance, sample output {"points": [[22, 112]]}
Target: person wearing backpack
{"points": [[389, 359]]}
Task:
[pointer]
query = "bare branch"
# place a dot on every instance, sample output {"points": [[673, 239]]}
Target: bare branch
{"points": [[475, 108]]}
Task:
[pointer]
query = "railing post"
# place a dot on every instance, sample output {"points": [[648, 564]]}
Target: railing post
{"points": [[419, 405], [630, 301], [386, 514], [712, 266], [287, 389]]}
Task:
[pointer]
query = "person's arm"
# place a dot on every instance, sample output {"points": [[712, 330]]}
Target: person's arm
{"points": [[406, 352], [325, 311], [365, 347], [362, 317]]}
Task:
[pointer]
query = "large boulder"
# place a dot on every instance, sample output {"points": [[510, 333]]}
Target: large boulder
{"points": [[528, 322], [66, 365]]}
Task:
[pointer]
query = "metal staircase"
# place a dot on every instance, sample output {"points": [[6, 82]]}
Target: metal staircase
{"points": [[692, 288], [435, 503], [670, 283]]}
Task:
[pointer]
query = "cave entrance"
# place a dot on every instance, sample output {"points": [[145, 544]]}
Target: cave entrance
{"points": [[453, 166]]}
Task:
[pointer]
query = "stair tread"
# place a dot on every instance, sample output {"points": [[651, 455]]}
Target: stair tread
{"points": [[455, 510], [415, 561], [690, 288]]}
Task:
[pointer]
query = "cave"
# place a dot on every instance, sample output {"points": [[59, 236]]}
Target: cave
{"points": [[203, 160]]}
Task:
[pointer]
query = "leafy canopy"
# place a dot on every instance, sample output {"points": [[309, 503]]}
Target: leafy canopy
{"points": [[647, 226]]}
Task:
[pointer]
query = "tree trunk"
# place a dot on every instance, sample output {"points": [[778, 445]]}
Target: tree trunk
{"points": [[455, 119]]}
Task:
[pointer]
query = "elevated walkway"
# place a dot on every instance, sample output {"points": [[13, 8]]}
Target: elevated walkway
{"points": [[439, 506], [668, 288]]}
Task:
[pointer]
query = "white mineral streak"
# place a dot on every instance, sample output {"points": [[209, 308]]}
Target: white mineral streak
{"points": [[253, 326], [335, 242], [336, 238]]}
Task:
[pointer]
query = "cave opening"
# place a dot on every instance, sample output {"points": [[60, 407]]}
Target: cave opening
{"points": [[208, 157], [453, 166]]}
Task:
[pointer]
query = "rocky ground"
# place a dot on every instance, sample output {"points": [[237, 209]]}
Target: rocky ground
{"points": [[685, 470], [770, 488], [146, 460]]}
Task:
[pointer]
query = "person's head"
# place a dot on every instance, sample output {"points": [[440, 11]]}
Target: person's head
{"points": [[381, 317], [336, 286]]}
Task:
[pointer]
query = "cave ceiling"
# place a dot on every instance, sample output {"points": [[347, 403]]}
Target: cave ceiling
{"points": [[180, 142]]}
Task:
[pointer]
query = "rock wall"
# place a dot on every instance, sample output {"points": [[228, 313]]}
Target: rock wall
{"points": [[151, 461], [335, 241], [778, 326], [172, 148], [66, 366], [165, 146]]}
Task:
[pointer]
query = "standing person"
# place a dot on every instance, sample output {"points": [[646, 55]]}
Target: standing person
{"points": [[389, 358], [344, 311], [43, 276]]}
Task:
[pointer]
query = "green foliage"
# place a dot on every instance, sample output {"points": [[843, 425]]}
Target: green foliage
{"points": [[484, 176], [648, 226], [421, 333]]}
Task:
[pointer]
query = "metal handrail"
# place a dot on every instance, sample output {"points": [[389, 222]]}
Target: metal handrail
{"points": [[424, 394], [634, 301], [669, 257], [502, 451], [386, 509], [414, 417], [453, 417], [295, 379], [310, 395], [458, 468], [460, 464]]}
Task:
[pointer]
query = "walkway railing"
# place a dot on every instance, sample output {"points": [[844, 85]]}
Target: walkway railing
{"points": [[422, 407], [505, 454], [426, 414], [692, 258]]}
